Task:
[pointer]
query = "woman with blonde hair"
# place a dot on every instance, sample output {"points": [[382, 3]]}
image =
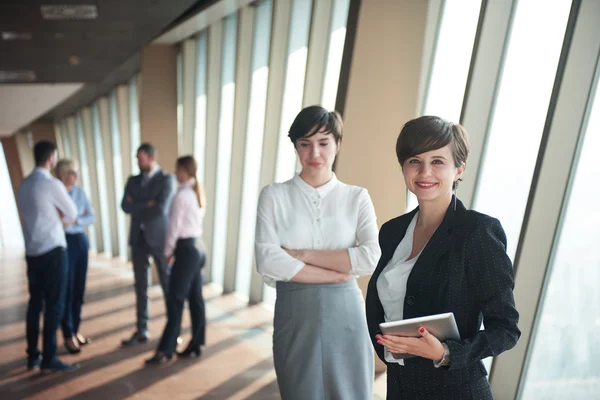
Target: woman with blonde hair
{"points": [[185, 230], [77, 256]]}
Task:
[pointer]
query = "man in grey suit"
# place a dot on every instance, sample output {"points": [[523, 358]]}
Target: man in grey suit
{"points": [[147, 198]]}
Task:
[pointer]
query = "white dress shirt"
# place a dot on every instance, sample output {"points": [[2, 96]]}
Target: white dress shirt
{"points": [[185, 220], [40, 197], [297, 216], [391, 285]]}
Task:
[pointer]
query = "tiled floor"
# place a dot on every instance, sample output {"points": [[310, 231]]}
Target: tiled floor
{"points": [[236, 364]]}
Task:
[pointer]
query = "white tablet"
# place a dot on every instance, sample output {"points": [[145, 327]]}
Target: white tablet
{"points": [[442, 326]]}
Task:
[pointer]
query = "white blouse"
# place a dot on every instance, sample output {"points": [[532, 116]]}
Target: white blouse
{"points": [[185, 219], [391, 285], [297, 216]]}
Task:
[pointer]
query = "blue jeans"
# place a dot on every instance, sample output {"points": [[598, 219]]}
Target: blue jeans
{"points": [[46, 275], [77, 266]]}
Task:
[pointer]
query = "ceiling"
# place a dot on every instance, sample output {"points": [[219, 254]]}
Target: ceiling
{"points": [[44, 62]]}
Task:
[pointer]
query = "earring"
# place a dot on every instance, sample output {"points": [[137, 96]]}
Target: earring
{"points": [[454, 193]]}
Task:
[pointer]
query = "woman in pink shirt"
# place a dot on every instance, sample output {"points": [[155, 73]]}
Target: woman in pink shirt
{"points": [[185, 230]]}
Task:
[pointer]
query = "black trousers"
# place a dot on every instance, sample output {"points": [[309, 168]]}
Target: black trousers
{"points": [[77, 266], [46, 275], [185, 282]]}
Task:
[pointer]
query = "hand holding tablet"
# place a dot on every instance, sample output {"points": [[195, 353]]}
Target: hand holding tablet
{"points": [[441, 326]]}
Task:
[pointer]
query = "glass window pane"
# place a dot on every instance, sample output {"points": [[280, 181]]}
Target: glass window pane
{"points": [[118, 173], [526, 85], [200, 116], [452, 59], [565, 357], [224, 147], [294, 86], [84, 170], [254, 144], [134, 121], [337, 38], [101, 172]]}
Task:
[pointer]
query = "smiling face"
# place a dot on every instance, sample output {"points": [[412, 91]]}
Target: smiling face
{"points": [[430, 175], [317, 152]]}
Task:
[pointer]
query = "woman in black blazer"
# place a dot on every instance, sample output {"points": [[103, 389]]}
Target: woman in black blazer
{"points": [[441, 258]]}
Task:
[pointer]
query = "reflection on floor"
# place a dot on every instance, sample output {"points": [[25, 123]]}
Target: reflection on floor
{"points": [[236, 364]]}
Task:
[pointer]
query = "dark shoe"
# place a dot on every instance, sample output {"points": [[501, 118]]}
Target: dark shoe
{"points": [[159, 358], [33, 363], [189, 352], [136, 338], [83, 340], [72, 345], [58, 366]]}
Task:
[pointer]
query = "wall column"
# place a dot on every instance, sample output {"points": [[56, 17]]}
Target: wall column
{"points": [[157, 97], [158, 102]]}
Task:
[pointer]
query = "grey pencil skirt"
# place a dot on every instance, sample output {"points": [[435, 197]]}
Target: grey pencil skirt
{"points": [[321, 344]]}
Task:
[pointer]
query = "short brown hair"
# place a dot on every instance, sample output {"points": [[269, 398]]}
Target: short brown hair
{"points": [[428, 133], [315, 119]]}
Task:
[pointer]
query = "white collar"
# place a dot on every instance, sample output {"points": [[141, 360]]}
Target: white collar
{"points": [[42, 171], [322, 190]]}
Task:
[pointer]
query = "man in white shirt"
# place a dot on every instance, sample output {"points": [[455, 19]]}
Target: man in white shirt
{"points": [[44, 203]]}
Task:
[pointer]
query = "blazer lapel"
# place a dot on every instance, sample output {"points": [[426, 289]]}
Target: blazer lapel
{"points": [[394, 240], [438, 244]]}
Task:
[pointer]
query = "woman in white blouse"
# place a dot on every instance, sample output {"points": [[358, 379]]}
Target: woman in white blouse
{"points": [[314, 234], [185, 229]]}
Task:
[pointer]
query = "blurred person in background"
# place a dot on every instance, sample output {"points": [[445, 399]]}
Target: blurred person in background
{"points": [[44, 204], [147, 198], [185, 280], [77, 256]]}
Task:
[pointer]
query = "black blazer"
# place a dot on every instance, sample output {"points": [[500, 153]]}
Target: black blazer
{"points": [[160, 188], [463, 269]]}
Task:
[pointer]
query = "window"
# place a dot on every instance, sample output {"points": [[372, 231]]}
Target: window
{"points": [[102, 179], [564, 358], [337, 38], [516, 129], [118, 173], [224, 148], [293, 87], [134, 121], [254, 144]]}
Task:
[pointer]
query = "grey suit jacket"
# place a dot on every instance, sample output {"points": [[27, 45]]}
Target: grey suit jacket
{"points": [[152, 221]]}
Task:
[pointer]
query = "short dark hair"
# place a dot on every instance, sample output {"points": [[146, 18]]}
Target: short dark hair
{"points": [[428, 133], [42, 151], [315, 119], [148, 149]]}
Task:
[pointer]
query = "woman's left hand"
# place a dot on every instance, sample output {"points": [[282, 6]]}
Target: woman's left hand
{"points": [[426, 346]]}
